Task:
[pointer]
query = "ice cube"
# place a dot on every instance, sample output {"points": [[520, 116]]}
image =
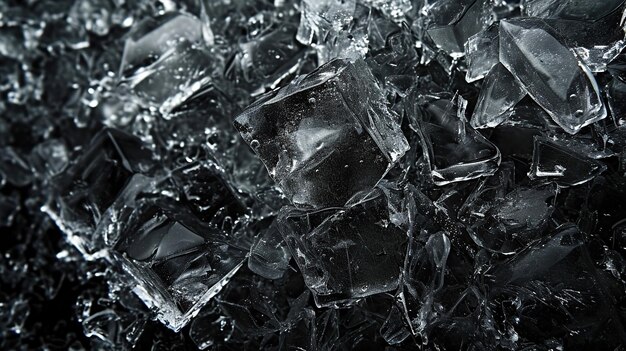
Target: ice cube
{"points": [[90, 185], [180, 248], [318, 139], [349, 253]]}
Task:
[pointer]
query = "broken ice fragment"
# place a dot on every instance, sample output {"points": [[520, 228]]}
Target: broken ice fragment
{"points": [[451, 37], [503, 218], [267, 60], [423, 280], [165, 61], [455, 150], [86, 189], [269, 257], [482, 51], [551, 74], [326, 136], [563, 165], [499, 94], [349, 253]]}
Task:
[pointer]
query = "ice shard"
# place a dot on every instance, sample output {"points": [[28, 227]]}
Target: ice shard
{"points": [[166, 61], [552, 75], [499, 94], [321, 18], [271, 58], [482, 52], [564, 165], [326, 136], [455, 150], [455, 22], [269, 256]]}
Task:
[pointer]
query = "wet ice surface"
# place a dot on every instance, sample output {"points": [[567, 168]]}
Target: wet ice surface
{"points": [[313, 175]]}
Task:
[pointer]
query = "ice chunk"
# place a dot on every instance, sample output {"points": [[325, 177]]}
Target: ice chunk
{"points": [[165, 61], [176, 269], [571, 9], [179, 248], [455, 150], [268, 60], [482, 52], [451, 36], [351, 43], [317, 138], [349, 253], [90, 185], [564, 165], [177, 261], [499, 94], [50, 157], [269, 257], [564, 87]]}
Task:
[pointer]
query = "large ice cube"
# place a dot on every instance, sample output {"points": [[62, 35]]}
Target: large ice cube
{"points": [[326, 136]]}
